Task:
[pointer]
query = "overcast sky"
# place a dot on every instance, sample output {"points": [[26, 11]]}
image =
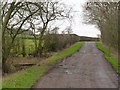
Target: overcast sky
{"points": [[77, 26]]}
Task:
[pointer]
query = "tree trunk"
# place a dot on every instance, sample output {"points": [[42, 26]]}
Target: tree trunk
{"points": [[3, 31]]}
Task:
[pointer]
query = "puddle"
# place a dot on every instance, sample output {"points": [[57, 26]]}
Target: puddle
{"points": [[61, 65], [68, 72]]}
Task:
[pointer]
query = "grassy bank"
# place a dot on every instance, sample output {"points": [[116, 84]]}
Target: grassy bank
{"points": [[108, 56], [26, 78]]}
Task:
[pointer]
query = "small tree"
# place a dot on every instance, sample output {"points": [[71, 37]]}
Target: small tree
{"points": [[69, 32]]}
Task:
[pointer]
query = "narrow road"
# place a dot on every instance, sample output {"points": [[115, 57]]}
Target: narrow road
{"points": [[84, 69]]}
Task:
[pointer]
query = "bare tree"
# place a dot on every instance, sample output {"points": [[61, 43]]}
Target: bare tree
{"points": [[105, 16], [14, 18], [49, 11], [54, 30], [18, 17], [68, 30]]}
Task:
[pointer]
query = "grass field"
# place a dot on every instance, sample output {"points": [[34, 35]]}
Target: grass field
{"points": [[109, 57], [29, 36], [29, 46], [26, 78]]}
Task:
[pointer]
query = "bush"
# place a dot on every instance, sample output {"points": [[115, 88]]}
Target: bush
{"points": [[50, 43], [55, 42]]}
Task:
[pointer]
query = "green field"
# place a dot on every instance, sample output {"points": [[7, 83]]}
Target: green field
{"points": [[28, 36], [109, 57], [26, 78], [29, 47], [29, 44]]}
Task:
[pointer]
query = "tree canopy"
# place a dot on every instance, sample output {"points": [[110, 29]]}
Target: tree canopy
{"points": [[105, 16]]}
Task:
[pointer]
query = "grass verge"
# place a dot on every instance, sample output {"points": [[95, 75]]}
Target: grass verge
{"points": [[109, 57], [27, 78]]}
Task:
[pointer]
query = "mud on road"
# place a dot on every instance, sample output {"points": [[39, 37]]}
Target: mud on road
{"points": [[87, 68]]}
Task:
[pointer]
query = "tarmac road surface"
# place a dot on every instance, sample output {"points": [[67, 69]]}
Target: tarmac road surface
{"points": [[87, 68]]}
